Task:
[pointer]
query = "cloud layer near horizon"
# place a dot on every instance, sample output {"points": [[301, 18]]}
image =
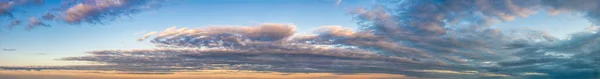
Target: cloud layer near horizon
{"points": [[421, 38], [334, 49]]}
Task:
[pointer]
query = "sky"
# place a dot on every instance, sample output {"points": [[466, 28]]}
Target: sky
{"points": [[66, 40], [413, 39]]}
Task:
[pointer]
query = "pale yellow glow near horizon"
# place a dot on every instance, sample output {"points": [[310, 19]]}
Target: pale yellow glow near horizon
{"points": [[205, 74]]}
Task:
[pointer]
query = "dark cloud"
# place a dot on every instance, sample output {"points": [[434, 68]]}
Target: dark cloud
{"points": [[459, 28]]}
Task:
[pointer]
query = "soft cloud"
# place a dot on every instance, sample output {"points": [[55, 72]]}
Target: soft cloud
{"points": [[48, 16], [101, 11], [34, 23], [79, 11], [333, 49], [9, 49], [13, 23], [8, 7]]}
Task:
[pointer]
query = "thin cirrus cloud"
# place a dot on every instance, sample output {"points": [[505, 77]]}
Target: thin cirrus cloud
{"points": [[76, 11], [422, 38]]}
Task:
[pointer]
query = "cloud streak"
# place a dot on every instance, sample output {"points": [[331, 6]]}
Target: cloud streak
{"points": [[9, 49], [102, 11]]}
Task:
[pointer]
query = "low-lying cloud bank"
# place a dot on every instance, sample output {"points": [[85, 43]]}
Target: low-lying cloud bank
{"points": [[72, 11], [421, 38]]}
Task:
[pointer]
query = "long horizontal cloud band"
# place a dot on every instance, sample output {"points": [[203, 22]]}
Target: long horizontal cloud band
{"points": [[340, 50]]}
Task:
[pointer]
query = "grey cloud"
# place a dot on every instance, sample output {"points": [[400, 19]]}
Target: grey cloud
{"points": [[9, 49], [433, 26], [334, 49], [48, 16], [222, 36]]}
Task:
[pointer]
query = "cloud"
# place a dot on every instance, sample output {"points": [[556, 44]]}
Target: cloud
{"points": [[101, 11], [224, 35], [34, 23], [13, 23], [338, 2], [78, 11], [460, 28], [41, 53], [534, 73], [48, 16], [271, 47], [9, 49], [7, 9]]}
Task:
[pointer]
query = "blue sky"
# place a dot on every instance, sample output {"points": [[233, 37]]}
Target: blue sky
{"points": [[65, 40]]}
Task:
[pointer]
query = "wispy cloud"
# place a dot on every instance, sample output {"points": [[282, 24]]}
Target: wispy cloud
{"points": [[102, 11], [9, 49], [78, 11]]}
